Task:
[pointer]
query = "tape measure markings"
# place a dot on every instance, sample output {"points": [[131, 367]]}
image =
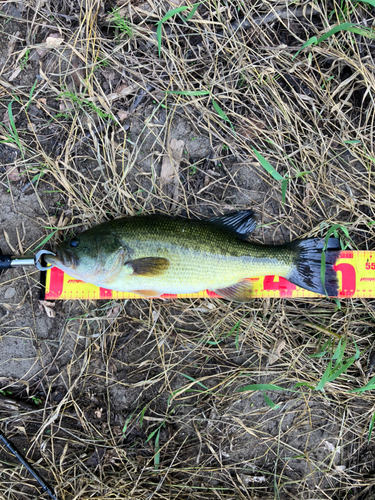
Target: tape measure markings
{"points": [[355, 271]]}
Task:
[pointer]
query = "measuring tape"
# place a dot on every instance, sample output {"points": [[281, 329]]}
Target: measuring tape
{"points": [[355, 271]]}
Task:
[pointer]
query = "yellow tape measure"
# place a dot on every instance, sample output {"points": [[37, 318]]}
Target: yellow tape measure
{"points": [[355, 271]]}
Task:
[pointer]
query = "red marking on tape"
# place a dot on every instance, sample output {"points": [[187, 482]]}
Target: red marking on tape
{"points": [[104, 293], [56, 282], [284, 286], [348, 279]]}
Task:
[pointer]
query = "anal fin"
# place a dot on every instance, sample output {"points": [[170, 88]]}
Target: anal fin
{"points": [[240, 292]]}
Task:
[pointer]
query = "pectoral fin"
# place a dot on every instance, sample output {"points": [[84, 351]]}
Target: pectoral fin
{"points": [[240, 292], [148, 266]]}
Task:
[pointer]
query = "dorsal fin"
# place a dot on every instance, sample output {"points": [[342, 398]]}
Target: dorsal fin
{"points": [[241, 223]]}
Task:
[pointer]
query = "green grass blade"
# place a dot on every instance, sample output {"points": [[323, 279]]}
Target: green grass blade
{"points": [[157, 450], [323, 271], [268, 167], [270, 403], [142, 415], [339, 352], [371, 426], [170, 14], [127, 421], [354, 141], [262, 387], [13, 130], [325, 377], [193, 11], [341, 370], [158, 36], [31, 94], [368, 387], [333, 230], [221, 112], [44, 241], [371, 2], [152, 434], [196, 381], [352, 27], [310, 41], [173, 12], [362, 30], [284, 185], [303, 384], [357, 351], [334, 30]]}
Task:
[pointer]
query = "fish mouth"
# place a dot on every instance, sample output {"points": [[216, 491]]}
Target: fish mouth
{"points": [[51, 259], [64, 257]]}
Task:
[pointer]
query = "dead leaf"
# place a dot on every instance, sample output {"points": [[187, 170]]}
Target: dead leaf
{"points": [[13, 173], [41, 50], [155, 315], [276, 351], [21, 429], [15, 73], [109, 74], [340, 468], [122, 91], [47, 306], [41, 102], [169, 174], [12, 43], [309, 197], [113, 312], [251, 130], [54, 41], [6, 119], [96, 458], [77, 75], [31, 127], [6, 236], [331, 447], [122, 115], [63, 221], [252, 479]]}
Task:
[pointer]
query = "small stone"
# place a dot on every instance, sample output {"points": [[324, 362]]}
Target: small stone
{"points": [[9, 293]]}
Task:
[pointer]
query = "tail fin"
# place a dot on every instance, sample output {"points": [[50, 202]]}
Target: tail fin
{"points": [[307, 273]]}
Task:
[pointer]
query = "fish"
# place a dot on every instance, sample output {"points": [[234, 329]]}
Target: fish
{"points": [[153, 255]]}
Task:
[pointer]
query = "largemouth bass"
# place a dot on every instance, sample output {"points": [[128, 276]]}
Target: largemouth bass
{"points": [[153, 255]]}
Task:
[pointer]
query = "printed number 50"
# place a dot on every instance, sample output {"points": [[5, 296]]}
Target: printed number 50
{"points": [[370, 266]]}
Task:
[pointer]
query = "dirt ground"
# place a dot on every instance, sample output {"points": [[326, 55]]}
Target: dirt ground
{"points": [[140, 399]]}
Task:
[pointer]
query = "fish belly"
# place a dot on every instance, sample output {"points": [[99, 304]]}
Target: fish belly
{"points": [[191, 273]]}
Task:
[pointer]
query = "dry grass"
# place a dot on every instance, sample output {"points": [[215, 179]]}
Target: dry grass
{"points": [[139, 399]]}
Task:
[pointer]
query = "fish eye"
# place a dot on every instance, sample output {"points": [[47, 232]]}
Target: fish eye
{"points": [[74, 242]]}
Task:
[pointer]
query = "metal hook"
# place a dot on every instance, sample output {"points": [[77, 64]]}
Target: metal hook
{"points": [[37, 257]]}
